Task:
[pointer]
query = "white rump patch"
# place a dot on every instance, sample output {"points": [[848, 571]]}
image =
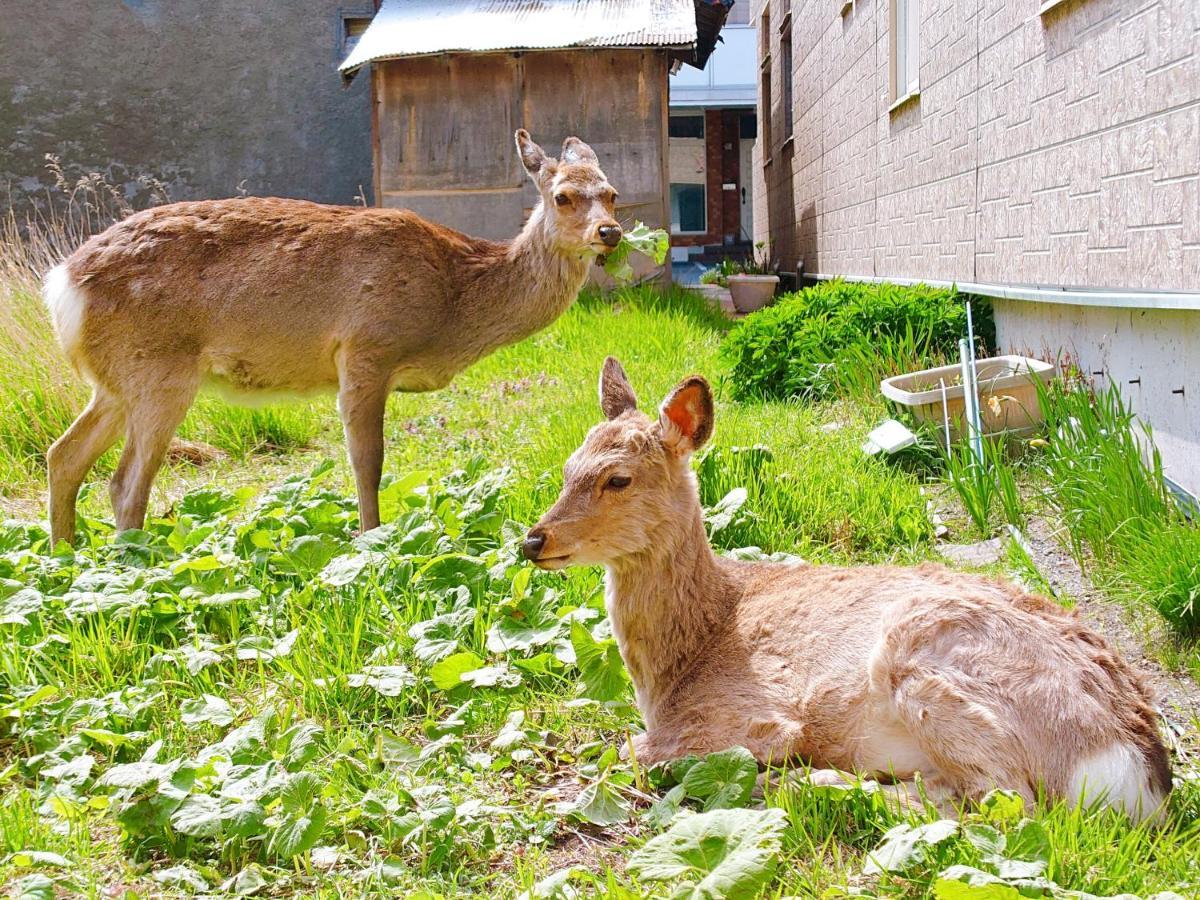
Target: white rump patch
{"points": [[1116, 776], [67, 304]]}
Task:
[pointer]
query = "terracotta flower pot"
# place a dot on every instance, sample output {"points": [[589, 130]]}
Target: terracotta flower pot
{"points": [[751, 292]]}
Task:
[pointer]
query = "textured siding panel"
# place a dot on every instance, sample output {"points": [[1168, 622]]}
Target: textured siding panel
{"points": [[1061, 149]]}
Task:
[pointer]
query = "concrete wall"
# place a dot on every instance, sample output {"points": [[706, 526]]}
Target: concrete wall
{"points": [[1055, 149], [1152, 355], [446, 123], [203, 95]]}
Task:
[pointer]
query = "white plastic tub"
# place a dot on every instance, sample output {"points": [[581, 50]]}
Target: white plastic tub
{"points": [[1007, 394]]}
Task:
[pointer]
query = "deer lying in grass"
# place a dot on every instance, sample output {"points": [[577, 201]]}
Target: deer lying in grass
{"points": [[881, 671], [260, 296]]}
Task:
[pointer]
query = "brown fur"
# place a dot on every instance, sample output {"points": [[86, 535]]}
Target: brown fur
{"points": [[271, 296], [877, 670]]}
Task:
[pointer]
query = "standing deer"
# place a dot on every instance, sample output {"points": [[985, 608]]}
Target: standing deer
{"points": [[260, 296], [882, 671]]}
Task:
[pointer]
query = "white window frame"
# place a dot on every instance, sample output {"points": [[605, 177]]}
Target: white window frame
{"points": [[904, 43]]}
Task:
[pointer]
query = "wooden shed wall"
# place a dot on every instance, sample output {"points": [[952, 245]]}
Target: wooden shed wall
{"points": [[444, 141]]}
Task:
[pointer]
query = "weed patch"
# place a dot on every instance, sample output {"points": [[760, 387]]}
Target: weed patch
{"points": [[1104, 477]]}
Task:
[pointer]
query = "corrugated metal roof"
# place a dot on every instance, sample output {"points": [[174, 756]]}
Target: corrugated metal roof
{"points": [[419, 27]]}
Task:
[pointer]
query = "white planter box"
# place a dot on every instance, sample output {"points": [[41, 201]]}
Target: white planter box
{"points": [[1008, 397]]}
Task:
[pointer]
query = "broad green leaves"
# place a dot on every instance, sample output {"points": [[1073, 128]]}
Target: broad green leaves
{"points": [[1013, 855], [722, 780], [298, 826], [526, 623], [600, 665], [601, 803], [725, 853], [34, 887], [417, 708], [390, 681], [907, 846], [653, 243], [206, 709], [448, 673]]}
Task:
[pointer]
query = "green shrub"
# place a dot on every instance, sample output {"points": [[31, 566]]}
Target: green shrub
{"points": [[841, 338]]}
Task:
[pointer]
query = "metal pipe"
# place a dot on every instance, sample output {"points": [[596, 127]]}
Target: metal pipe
{"points": [[977, 435], [969, 400]]}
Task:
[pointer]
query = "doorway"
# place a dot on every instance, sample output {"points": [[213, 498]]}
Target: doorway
{"points": [[747, 133]]}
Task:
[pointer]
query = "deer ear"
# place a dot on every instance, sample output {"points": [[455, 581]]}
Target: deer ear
{"points": [[616, 396], [576, 151], [686, 416], [533, 157]]}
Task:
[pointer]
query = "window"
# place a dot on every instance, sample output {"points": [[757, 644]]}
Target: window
{"points": [[785, 75], [684, 126], [748, 126], [905, 49], [688, 209], [354, 25], [688, 169], [764, 87]]}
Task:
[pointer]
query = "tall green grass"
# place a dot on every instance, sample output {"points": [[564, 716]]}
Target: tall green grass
{"points": [[1104, 476]]}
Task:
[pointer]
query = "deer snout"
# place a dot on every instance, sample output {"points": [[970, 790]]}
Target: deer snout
{"points": [[533, 544], [610, 235]]}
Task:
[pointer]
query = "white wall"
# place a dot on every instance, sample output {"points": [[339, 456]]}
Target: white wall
{"points": [[1159, 349]]}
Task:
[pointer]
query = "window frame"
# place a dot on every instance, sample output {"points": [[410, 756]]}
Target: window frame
{"points": [[348, 17], [903, 86], [787, 99], [703, 184], [765, 97]]}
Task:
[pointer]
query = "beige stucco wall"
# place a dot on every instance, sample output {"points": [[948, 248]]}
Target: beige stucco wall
{"points": [[1054, 149]]}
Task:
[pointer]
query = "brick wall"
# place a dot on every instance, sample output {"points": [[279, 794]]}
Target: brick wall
{"points": [[1059, 149]]}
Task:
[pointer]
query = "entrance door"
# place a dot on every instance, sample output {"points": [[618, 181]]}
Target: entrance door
{"points": [[746, 187]]}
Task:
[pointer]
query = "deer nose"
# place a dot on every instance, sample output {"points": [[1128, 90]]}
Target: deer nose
{"points": [[532, 547], [610, 235]]}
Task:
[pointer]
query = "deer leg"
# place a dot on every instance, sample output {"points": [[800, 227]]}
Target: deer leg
{"points": [[150, 423], [72, 455], [361, 405]]}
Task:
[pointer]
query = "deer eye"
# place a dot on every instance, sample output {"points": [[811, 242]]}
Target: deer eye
{"points": [[617, 483], [562, 199]]}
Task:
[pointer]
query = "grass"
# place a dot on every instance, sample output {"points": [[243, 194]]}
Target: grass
{"points": [[246, 697], [1104, 478]]}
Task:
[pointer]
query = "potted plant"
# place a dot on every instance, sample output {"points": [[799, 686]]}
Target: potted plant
{"points": [[753, 284]]}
